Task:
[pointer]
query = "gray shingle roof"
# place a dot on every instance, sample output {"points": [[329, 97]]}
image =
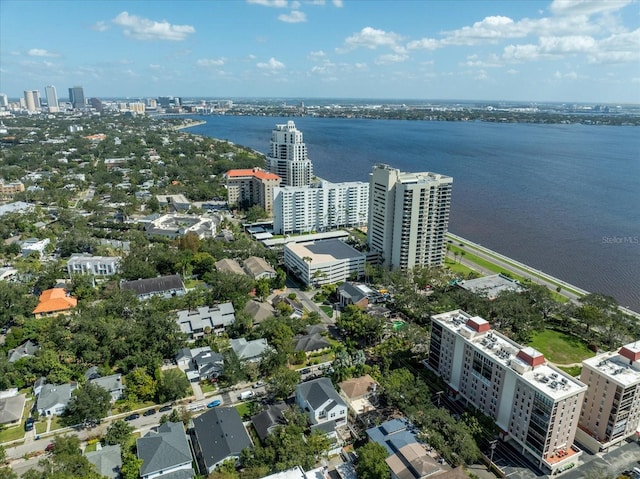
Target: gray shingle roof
{"points": [[319, 391], [257, 266], [269, 418], [220, 434], [28, 348], [310, 342], [248, 349], [11, 408], [110, 383], [52, 394], [153, 285], [163, 449], [107, 460]]}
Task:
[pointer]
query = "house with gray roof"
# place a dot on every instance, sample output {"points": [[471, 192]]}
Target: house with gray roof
{"points": [[200, 364], [259, 311], [165, 453], [194, 322], [11, 406], [321, 402], [258, 268], [355, 293], [28, 348], [218, 435], [113, 384], [227, 265], [311, 343], [53, 398], [163, 286], [107, 460], [266, 421], [249, 351]]}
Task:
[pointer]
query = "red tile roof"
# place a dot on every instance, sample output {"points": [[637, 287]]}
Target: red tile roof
{"points": [[53, 300], [257, 172]]}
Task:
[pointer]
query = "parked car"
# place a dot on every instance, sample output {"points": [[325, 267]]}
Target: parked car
{"points": [[166, 408], [214, 403], [258, 384], [305, 371], [28, 425], [131, 417], [149, 412], [246, 395], [50, 447]]}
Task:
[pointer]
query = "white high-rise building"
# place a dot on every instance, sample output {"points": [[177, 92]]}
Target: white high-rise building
{"points": [[408, 216], [4, 100], [52, 98], [32, 100], [287, 156], [300, 209], [535, 405]]}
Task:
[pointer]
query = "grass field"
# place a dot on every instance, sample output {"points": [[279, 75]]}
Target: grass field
{"points": [[560, 348], [243, 409], [12, 433], [328, 310]]}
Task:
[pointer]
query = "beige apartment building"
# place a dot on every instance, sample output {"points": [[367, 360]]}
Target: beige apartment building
{"points": [[535, 405], [7, 190], [611, 410], [252, 186]]}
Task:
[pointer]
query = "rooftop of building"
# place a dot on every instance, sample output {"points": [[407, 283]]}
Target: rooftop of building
{"points": [[490, 286], [621, 366], [253, 172], [525, 361], [323, 251]]}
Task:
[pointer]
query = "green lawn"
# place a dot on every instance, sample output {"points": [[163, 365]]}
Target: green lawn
{"points": [[560, 348], [207, 387], [90, 447], [56, 423], [41, 426], [328, 310], [243, 409], [462, 270], [12, 433]]}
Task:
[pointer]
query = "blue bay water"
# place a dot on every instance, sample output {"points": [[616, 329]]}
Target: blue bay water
{"points": [[564, 199]]}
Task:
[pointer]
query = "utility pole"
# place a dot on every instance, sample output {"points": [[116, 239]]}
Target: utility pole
{"points": [[438, 394]]}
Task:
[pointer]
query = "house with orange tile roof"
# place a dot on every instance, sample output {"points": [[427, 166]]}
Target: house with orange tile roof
{"points": [[54, 301], [251, 186]]}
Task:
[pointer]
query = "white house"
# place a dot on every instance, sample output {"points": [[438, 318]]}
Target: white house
{"points": [[321, 402], [83, 263], [34, 245], [53, 398]]}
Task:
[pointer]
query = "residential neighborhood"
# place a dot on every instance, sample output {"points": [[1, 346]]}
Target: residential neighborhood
{"points": [[149, 335]]}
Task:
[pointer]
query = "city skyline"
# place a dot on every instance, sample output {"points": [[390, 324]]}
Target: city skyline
{"points": [[561, 50]]}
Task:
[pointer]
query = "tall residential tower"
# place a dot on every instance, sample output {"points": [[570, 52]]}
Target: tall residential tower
{"points": [[535, 405], [76, 97], [32, 100], [611, 410], [408, 217], [287, 156]]}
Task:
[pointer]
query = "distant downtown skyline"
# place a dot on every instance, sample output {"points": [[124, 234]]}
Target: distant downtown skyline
{"points": [[560, 50]]}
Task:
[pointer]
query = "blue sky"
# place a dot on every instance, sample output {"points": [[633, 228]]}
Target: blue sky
{"points": [[561, 50]]}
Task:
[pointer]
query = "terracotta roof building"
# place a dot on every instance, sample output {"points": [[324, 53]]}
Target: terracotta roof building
{"points": [[54, 301], [252, 186]]}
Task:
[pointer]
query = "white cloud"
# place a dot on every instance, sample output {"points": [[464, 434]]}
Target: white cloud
{"points": [[511, 71], [145, 29], [568, 44], [271, 65], [618, 48], [373, 38], [41, 52], [296, 16], [211, 62], [100, 26], [586, 7], [317, 55], [337, 3], [390, 58], [270, 3], [424, 44]]}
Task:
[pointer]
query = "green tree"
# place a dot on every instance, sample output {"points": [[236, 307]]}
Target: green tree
{"points": [[118, 432], [130, 466], [371, 462], [89, 403], [255, 213], [140, 385], [66, 462], [173, 385], [283, 383]]}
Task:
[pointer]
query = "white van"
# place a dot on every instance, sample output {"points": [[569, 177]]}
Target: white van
{"points": [[246, 395]]}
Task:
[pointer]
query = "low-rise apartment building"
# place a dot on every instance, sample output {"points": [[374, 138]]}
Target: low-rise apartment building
{"points": [[611, 410], [324, 262], [535, 405], [83, 263]]}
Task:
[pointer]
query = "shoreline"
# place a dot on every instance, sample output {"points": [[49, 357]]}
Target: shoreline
{"points": [[184, 126], [568, 290]]}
